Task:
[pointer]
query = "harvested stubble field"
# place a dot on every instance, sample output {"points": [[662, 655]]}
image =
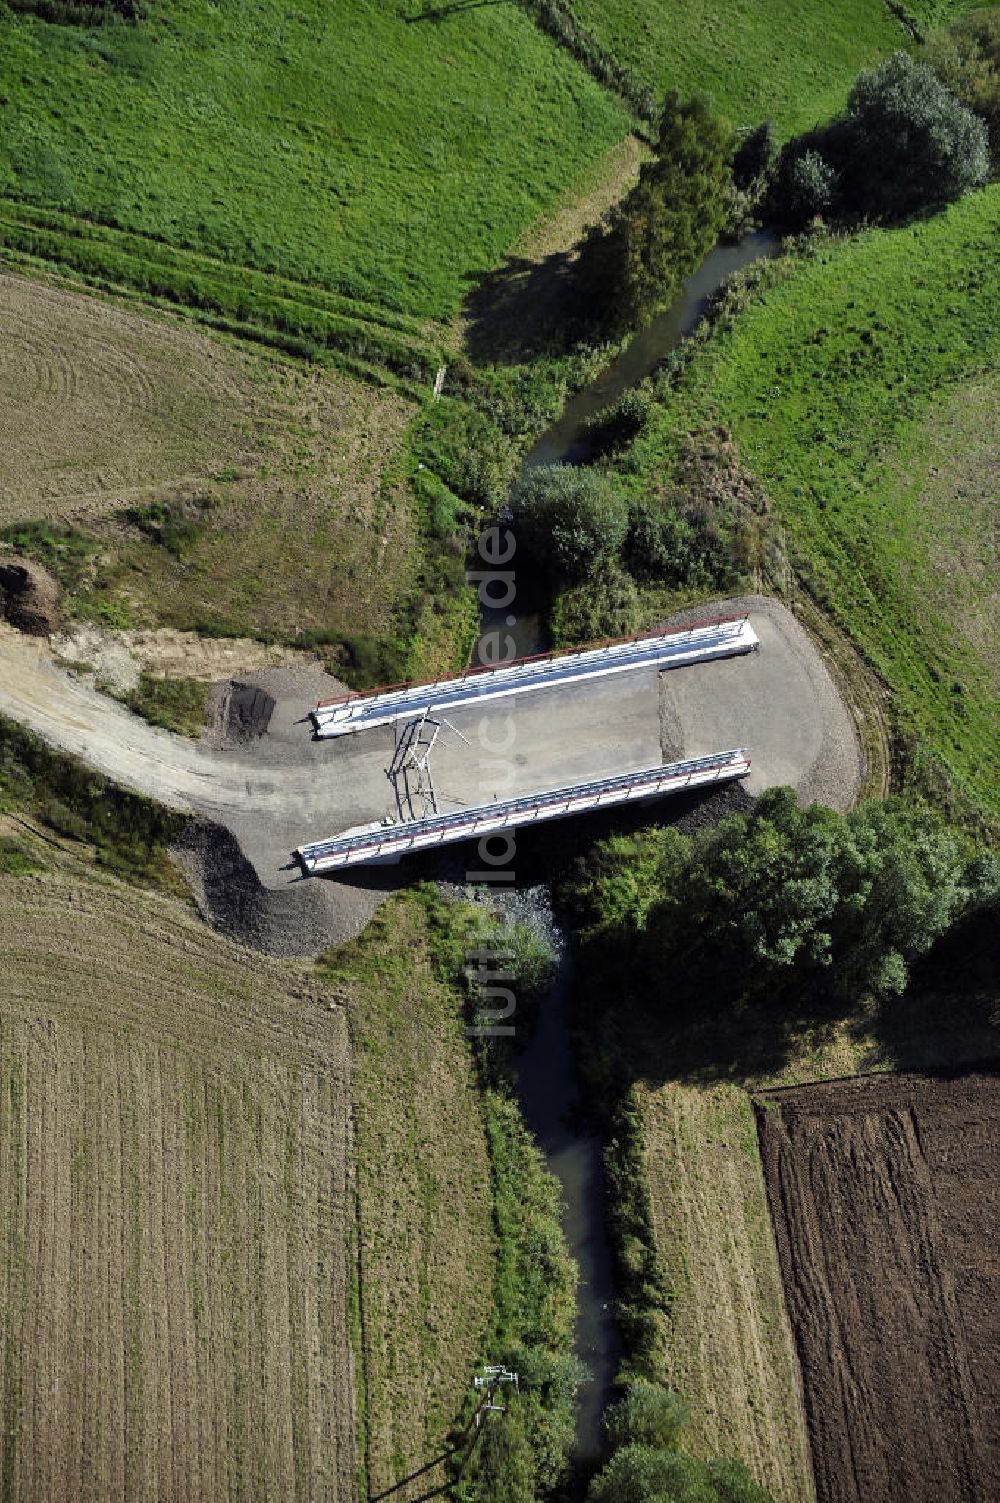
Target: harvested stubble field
{"points": [[121, 403], [727, 1349], [283, 484], [176, 1212], [425, 1197], [883, 1194]]}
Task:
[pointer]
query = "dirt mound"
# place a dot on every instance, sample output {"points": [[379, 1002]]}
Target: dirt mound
{"points": [[245, 712], [299, 920], [29, 597]]}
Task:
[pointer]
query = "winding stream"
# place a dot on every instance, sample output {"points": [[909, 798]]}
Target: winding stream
{"points": [[548, 1089]]}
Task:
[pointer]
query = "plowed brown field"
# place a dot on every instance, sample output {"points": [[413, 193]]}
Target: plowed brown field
{"points": [[883, 1191], [175, 1221]]}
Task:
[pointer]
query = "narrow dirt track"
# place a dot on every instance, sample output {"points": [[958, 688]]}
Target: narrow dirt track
{"points": [[883, 1196]]}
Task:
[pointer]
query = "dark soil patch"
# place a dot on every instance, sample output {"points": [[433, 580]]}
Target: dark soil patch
{"points": [[883, 1196]]}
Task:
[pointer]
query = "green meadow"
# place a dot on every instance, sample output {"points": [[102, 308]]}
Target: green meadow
{"points": [[861, 387], [791, 61], [352, 145]]}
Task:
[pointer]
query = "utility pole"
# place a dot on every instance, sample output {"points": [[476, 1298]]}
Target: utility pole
{"points": [[489, 1385]]}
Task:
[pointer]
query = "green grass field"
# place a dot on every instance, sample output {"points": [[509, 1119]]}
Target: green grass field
{"points": [[354, 146], [861, 388], [789, 60]]}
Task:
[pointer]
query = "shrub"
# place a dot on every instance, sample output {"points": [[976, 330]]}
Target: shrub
{"points": [[661, 544], [619, 424], [570, 521], [807, 187], [708, 527], [966, 58], [605, 606], [911, 142], [647, 1415], [755, 156]]}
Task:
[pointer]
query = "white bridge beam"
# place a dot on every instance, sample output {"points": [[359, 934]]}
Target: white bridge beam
{"points": [[388, 842], [721, 638]]}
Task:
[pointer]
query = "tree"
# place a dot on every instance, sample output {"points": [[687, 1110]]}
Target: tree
{"points": [[786, 901], [780, 906], [633, 265], [571, 521], [911, 142]]}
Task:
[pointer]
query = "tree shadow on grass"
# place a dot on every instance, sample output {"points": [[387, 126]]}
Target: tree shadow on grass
{"points": [[950, 1014], [524, 309], [949, 1017]]}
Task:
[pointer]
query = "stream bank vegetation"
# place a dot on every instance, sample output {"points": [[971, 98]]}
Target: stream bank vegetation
{"points": [[523, 1455], [632, 266], [855, 375], [462, 1257]]}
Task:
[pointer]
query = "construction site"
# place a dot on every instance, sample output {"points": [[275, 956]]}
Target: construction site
{"points": [[296, 776]]}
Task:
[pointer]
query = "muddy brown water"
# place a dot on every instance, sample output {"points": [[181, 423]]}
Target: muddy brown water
{"points": [[548, 1088]]}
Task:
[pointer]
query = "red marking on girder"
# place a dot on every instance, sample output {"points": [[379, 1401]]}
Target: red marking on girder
{"points": [[536, 657]]}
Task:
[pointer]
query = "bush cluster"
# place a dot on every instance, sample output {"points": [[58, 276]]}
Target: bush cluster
{"points": [[644, 1429], [571, 522], [905, 143], [618, 425], [175, 526], [706, 527]]}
